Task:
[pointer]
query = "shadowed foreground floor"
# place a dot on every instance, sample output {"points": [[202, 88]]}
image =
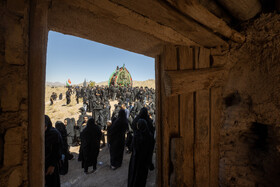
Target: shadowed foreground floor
{"points": [[103, 176]]}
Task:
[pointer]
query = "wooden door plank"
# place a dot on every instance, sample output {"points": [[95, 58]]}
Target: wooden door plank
{"points": [[216, 114], [202, 125], [170, 112], [177, 157], [187, 120], [186, 58]]}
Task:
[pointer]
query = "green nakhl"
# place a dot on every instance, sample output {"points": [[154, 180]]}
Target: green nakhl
{"points": [[120, 77]]}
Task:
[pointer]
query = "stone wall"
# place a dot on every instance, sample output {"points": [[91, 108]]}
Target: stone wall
{"points": [[250, 135], [14, 19]]}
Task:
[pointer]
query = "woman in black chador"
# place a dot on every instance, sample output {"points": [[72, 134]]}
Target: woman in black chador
{"points": [[65, 148], [142, 148], [70, 130], [53, 149], [116, 139], [90, 143], [144, 115]]}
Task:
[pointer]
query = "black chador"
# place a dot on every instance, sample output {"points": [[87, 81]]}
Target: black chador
{"points": [[79, 123], [90, 143], [116, 139], [70, 130], [53, 153], [140, 158], [65, 151], [144, 115]]}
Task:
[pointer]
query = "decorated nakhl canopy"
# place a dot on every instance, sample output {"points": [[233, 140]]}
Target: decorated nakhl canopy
{"points": [[120, 77]]}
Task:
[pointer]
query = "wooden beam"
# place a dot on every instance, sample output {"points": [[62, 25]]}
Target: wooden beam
{"points": [[216, 9], [82, 23], [199, 13], [242, 10], [164, 14], [186, 81], [135, 21]]}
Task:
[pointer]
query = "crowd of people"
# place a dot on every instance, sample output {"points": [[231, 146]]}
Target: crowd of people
{"points": [[131, 125]]}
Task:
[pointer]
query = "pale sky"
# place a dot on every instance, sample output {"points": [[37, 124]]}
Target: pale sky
{"points": [[76, 58]]}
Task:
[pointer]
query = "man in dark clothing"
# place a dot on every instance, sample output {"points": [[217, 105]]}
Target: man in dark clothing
{"points": [[115, 112], [68, 96], [114, 90], [141, 94], [60, 96], [140, 158], [96, 110], [85, 102], [128, 96], [51, 100], [53, 153], [101, 122], [90, 143], [116, 139], [77, 95]]}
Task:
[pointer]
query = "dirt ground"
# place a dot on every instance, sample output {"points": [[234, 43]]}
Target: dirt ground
{"points": [[103, 176]]}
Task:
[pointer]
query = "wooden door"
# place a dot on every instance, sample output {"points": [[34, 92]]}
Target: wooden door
{"points": [[189, 91]]}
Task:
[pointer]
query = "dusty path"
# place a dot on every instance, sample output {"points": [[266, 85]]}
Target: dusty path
{"points": [[103, 176]]}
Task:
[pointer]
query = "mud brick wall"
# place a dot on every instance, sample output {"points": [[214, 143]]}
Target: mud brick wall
{"points": [[14, 18], [250, 135]]}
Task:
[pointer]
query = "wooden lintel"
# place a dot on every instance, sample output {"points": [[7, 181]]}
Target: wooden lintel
{"points": [[199, 13], [161, 12], [133, 20], [186, 81]]}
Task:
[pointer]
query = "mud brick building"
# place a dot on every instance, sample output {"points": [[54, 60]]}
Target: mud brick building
{"points": [[217, 81]]}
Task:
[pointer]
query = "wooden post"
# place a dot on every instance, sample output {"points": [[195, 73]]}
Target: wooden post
{"points": [[159, 124], [36, 86]]}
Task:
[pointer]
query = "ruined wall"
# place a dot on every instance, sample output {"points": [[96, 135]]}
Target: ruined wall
{"points": [[14, 18], [250, 135]]}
